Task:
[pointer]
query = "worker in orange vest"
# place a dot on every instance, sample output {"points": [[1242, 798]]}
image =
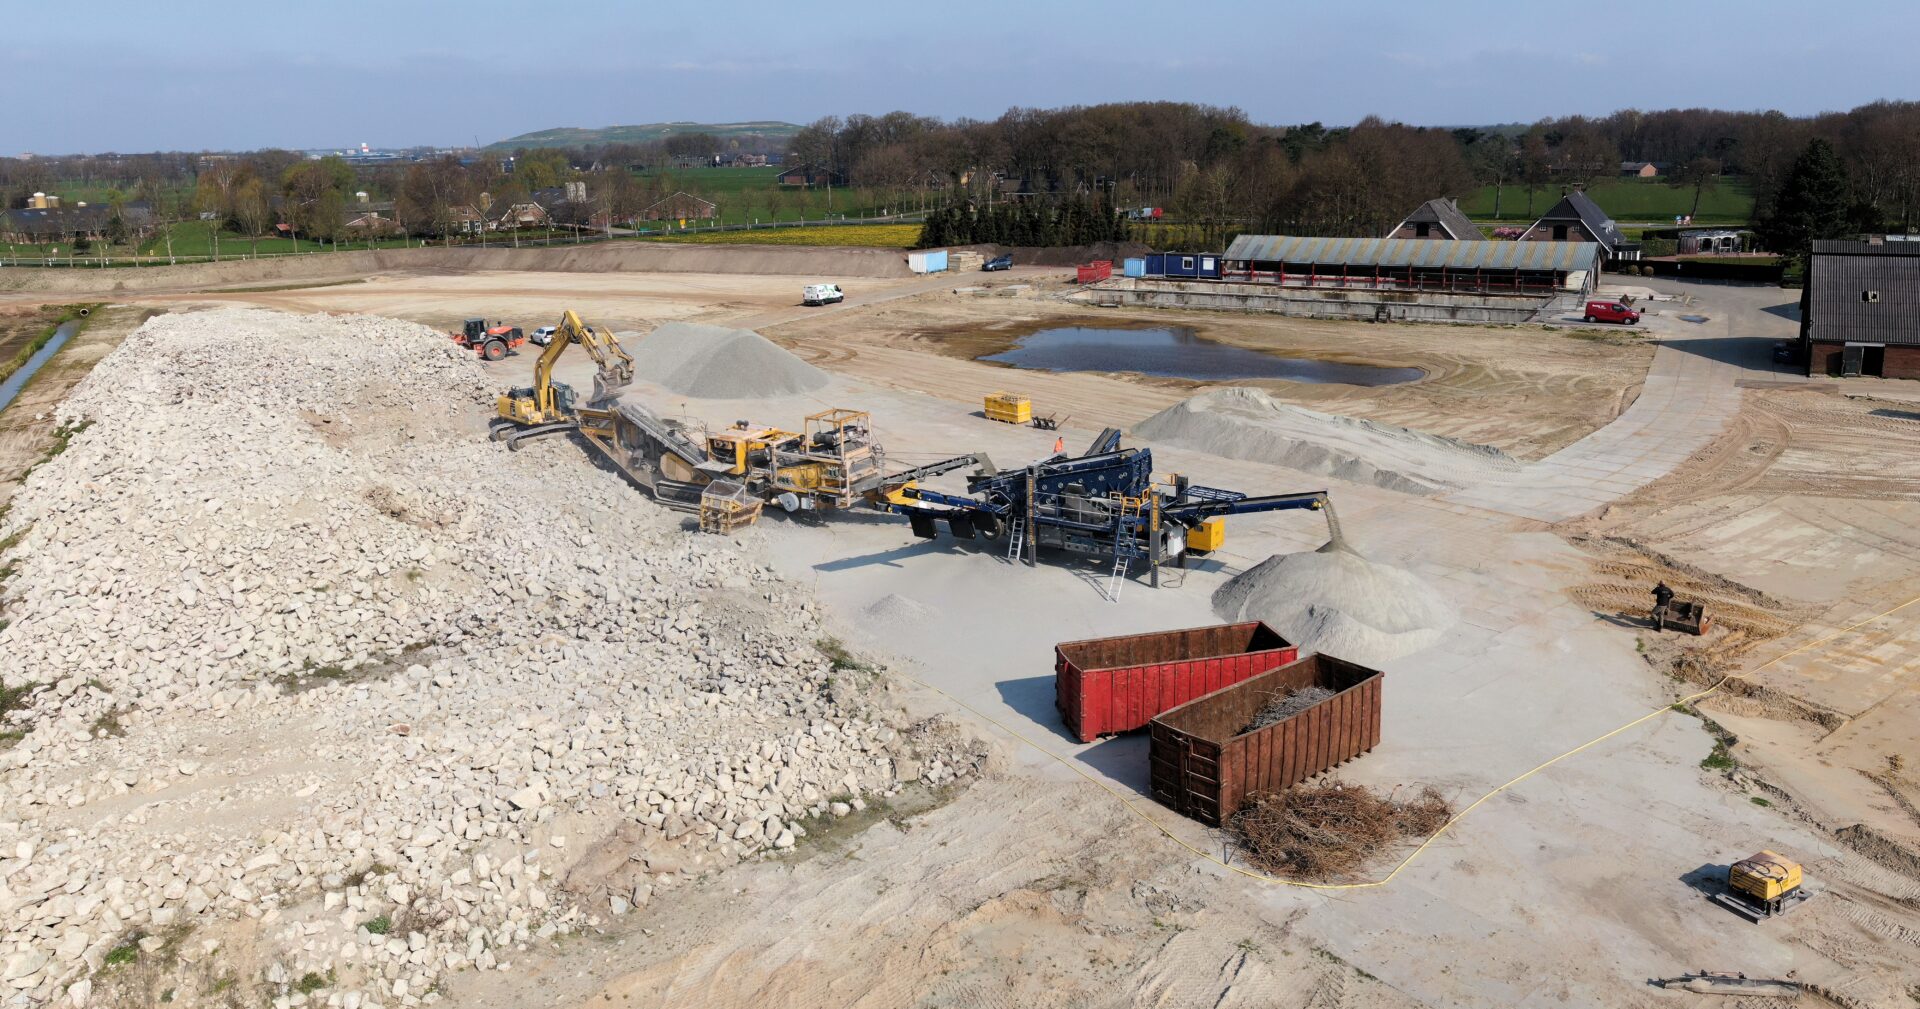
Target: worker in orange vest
{"points": [[1059, 445]]}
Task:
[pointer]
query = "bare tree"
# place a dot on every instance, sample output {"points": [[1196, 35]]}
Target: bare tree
{"points": [[251, 210], [1700, 174]]}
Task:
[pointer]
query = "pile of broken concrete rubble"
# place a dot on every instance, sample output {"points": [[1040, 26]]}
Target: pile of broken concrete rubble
{"points": [[334, 692]]}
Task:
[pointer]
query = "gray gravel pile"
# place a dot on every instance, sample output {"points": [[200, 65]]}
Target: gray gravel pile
{"points": [[1243, 423], [1337, 602], [894, 608], [714, 362], [313, 653]]}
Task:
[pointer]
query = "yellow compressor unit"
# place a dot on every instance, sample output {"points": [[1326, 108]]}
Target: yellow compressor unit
{"points": [[1765, 884], [1208, 536], [1007, 408]]}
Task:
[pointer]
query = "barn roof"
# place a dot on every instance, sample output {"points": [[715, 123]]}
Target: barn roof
{"points": [[1578, 206], [1403, 252], [1841, 276], [1448, 216]]}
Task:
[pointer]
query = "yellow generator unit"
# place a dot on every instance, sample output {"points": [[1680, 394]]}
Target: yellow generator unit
{"points": [[1009, 409], [744, 448], [807, 477], [1209, 535], [1765, 884]]}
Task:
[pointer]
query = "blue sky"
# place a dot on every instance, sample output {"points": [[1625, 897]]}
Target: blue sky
{"points": [[227, 74]]}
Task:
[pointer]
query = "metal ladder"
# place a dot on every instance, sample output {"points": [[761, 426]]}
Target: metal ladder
{"points": [[1121, 561], [1118, 578], [1016, 539]]}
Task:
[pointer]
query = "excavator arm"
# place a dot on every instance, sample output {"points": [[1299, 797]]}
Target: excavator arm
{"points": [[615, 365]]}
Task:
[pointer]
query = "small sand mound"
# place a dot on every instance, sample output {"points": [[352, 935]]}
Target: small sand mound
{"points": [[1335, 601], [894, 608], [1242, 423], [714, 362]]}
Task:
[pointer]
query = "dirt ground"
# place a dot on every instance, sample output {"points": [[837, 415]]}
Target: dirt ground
{"points": [[20, 325], [1526, 391], [1808, 501], [1053, 882]]}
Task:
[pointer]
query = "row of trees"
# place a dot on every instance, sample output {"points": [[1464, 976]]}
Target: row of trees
{"points": [[1065, 222], [1207, 165], [1210, 164]]}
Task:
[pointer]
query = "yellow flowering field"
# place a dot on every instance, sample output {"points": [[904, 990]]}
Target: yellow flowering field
{"points": [[879, 236]]}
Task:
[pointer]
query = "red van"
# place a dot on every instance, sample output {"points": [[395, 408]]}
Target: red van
{"points": [[1611, 311]]}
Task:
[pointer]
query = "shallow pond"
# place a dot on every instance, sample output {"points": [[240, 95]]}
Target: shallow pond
{"points": [[1177, 352]]}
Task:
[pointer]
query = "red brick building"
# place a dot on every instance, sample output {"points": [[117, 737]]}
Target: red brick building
{"points": [[1576, 218], [1860, 309]]}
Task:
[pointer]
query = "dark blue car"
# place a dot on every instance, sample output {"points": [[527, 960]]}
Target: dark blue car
{"points": [[998, 263]]}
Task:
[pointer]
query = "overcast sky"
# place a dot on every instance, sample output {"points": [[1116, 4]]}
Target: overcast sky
{"points": [[228, 74]]}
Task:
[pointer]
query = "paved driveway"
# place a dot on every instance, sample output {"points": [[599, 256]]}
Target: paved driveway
{"points": [[1691, 392]]}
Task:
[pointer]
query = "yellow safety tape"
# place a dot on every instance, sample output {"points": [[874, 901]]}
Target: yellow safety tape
{"points": [[1134, 807]]}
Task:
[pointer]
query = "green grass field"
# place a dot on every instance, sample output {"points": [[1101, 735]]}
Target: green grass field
{"points": [[1636, 200], [195, 238]]}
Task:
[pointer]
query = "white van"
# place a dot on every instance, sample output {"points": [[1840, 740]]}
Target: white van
{"points": [[821, 294]]}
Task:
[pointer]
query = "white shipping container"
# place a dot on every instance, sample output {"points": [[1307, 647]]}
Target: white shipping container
{"points": [[929, 261]]}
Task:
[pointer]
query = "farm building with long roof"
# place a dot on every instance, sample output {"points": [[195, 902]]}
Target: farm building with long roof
{"points": [[1413, 264]]}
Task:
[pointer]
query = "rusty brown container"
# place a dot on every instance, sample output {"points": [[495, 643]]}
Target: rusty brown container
{"points": [[1205, 767], [1104, 686]]}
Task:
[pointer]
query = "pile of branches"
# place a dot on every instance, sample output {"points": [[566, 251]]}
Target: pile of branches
{"points": [[1328, 831]]}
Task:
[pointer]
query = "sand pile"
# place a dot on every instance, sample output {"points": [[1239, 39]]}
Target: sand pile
{"points": [[894, 608], [714, 362], [1335, 601], [1249, 424]]}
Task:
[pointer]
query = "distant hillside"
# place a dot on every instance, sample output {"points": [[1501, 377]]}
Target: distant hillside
{"points": [[575, 136]]}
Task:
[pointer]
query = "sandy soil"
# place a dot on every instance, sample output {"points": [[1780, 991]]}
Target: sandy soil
{"points": [[1811, 498], [1039, 886], [28, 283], [1527, 391]]}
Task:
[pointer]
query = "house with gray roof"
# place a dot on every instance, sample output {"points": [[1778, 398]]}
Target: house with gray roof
{"points": [[1438, 219], [1860, 309], [1576, 218]]}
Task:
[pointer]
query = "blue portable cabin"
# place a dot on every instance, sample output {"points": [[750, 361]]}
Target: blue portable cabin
{"points": [[1134, 267], [1184, 264]]}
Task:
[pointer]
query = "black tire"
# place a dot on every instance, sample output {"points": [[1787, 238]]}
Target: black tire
{"points": [[493, 350], [1589, 320]]}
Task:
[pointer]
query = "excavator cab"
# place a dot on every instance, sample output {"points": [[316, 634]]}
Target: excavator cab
{"points": [[548, 406]]}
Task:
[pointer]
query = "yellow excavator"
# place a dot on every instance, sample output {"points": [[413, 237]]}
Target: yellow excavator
{"points": [[636, 441], [528, 411]]}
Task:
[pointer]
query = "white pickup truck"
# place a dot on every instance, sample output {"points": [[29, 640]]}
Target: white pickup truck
{"points": [[821, 294]]}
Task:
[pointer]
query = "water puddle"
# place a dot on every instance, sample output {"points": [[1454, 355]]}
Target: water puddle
{"points": [[1177, 352], [10, 389]]}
